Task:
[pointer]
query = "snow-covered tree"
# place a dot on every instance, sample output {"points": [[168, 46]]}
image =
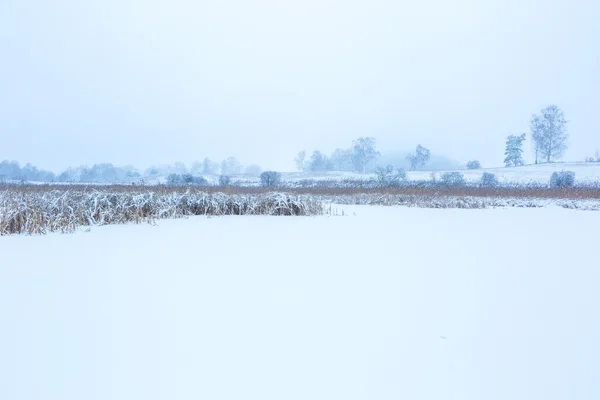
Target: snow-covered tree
{"points": [[11, 170], [230, 166], [318, 162], [419, 158], [179, 168], [341, 160], [196, 168], [364, 151], [209, 167], [152, 172], [514, 150], [474, 164], [389, 176], [300, 161], [549, 134]]}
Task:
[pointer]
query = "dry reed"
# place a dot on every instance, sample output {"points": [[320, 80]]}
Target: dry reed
{"points": [[38, 210]]}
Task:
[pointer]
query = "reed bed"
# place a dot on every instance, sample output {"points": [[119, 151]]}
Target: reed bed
{"points": [[27, 210], [423, 189], [466, 202], [40, 209]]}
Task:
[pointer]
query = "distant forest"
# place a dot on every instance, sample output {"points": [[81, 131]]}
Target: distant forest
{"points": [[107, 173]]}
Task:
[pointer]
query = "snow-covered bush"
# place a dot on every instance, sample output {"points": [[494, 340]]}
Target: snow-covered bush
{"points": [[473, 164], [224, 180], [35, 210], [562, 179], [270, 178], [488, 180], [186, 179], [199, 181], [174, 179], [453, 179], [388, 176], [433, 177]]}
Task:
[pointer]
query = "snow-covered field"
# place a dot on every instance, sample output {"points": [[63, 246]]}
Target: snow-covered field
{"points": [[584, 173], [384, 303]]}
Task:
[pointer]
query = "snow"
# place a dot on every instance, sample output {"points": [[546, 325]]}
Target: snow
{"points": [[541, 173], [584, 173], [384, 303]]}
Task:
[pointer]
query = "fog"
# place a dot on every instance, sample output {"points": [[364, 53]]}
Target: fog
{"points": [[150, 82]]}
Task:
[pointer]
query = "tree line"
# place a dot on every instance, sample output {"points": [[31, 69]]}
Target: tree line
{"points": [[548, 134], [107, 172], [549, 137], [360, 157]]}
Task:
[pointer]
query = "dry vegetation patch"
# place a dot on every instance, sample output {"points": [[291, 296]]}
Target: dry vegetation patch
{"points": [[38, 209], [42, 209]]}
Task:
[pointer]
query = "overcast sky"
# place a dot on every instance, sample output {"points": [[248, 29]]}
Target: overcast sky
{"points": [[147, 82]]}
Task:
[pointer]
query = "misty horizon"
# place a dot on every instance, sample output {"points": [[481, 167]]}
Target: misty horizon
{"points": [[132, 83]]}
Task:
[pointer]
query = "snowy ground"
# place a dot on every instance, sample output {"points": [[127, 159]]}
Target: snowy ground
{"points": [[386, 303], [584, 173]]}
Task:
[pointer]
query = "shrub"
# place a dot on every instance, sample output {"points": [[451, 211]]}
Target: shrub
{"points": [[433, 177], [562, 179], [453, 179], [473, 164], [36, 210], [174, 179], [187, 179], [488, 180], [270, 178], [224, 180], [199, 181], [389, 177]]}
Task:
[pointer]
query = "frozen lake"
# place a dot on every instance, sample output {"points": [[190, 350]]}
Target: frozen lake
{"points": [[386, 303]]}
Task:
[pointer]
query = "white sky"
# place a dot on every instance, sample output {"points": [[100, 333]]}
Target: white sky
{"points": [[151, 82]]}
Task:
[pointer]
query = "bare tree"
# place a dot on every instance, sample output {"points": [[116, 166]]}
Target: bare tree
{"points": [[388, 176], [209, 167], [196, 168], [179, 168], [230, 166], [364, 150], [419, 158], [549, 134], [341, 160], [300, 161], [318, 162]]}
